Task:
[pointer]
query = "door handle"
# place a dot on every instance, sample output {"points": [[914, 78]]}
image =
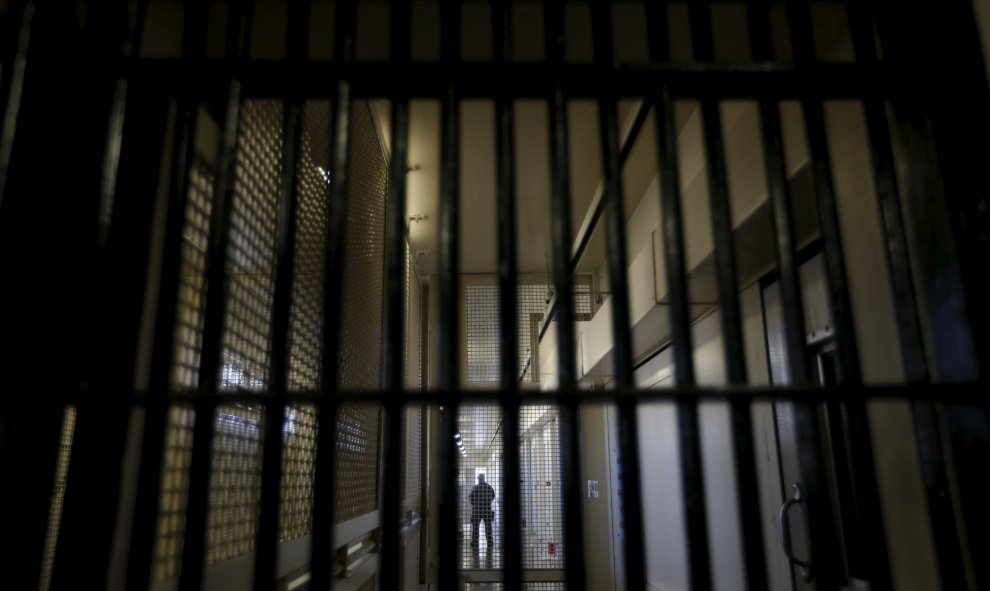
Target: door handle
{"points": [[784, 532]]}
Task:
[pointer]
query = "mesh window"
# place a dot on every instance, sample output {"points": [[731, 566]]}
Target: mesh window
{"points": [[58, 496]]}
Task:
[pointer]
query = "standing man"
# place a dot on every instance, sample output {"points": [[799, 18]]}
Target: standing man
{"points": [[481, 499]]}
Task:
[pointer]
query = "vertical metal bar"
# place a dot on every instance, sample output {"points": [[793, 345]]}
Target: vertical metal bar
{"points": [[153, 439], [909, 330], [389, 569], [267, 534], [898, 261], [508, 302], [700, 18], [820, 164], [560, 210], [658, 39], [447, 567], [449, 206], [760, 31], [89, 508], [946, 174], [324, 493], [194, 538], [14, 88], [828, 563], [615, 221], [693, 491], [448, 342], [211, 362]]}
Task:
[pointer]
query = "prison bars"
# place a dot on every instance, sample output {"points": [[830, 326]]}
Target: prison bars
{"points": [[814, 118]]}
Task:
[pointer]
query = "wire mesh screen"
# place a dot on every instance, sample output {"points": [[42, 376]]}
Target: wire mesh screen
{"points": [[58, 495], [174, 493], [481, 333], [299, 466], [312, 187], [410, 560], [481, 326], [251, 253], [236, 479], [305, 333], [364, 252], [542, 511], [414, 452], [480, 485], [192, 275], [361, 323], [358, 428], [235, 484], [533, 299]]}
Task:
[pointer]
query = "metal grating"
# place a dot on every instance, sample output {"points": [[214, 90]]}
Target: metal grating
{"points": [[298, 454], [236, 482], [174, 494], [410, 561], [481, 333], [412, 485], [191, 298], [364, 257], [299, 466], [58, 495], [235, 485], [358, 428], [311, 226], [540, 495], [533, 299], [480, 426], [251, 252], [481, 326]]}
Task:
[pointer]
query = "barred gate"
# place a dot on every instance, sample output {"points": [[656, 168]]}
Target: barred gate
{"points": [[210, 304]]}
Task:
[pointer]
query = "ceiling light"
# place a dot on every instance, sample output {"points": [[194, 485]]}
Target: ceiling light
{"points": [[457, 435]]}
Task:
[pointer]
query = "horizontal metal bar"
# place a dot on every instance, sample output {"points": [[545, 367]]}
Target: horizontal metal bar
{"points": [[963, 393], [480, 575], [315, 79]]}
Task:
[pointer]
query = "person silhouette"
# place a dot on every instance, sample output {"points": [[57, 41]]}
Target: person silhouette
{"points": [[481, 499]]}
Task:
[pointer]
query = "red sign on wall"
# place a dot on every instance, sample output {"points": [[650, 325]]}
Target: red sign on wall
{"points": [[551, 549]]}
